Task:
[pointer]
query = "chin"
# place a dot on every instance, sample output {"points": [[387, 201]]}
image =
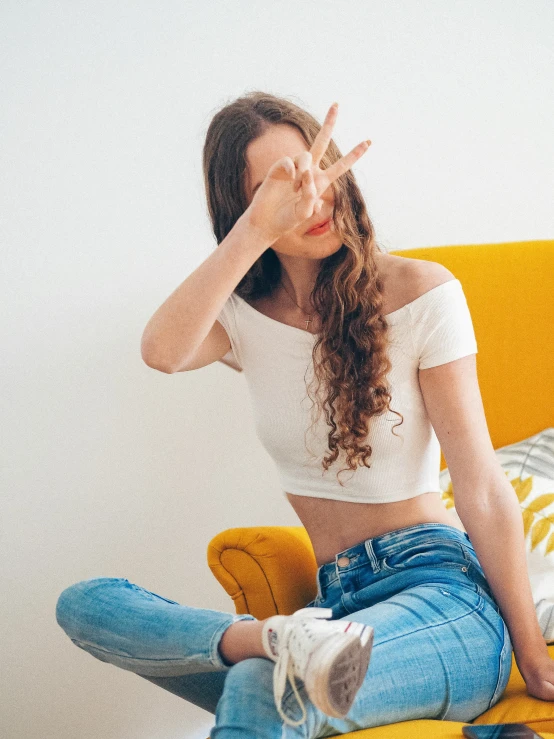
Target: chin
{"points": [[308, 247]]}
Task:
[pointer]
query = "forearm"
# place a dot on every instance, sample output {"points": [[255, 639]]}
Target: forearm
{"points": [[183, 321], [497, 535]]}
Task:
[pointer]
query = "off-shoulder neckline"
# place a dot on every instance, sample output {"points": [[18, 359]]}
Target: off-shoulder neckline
{"points": [[303, 331]]}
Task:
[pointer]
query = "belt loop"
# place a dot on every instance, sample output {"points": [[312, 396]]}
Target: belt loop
{"points": [[372, 557]]}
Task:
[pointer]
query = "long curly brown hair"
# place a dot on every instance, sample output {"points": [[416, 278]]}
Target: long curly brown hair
{"points": [[350, 356]]}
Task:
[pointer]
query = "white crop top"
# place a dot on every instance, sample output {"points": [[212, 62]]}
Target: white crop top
{"points": [[433, 329]]}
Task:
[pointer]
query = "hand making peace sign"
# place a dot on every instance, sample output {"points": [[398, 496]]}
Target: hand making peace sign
{"points": [[291, 190]]}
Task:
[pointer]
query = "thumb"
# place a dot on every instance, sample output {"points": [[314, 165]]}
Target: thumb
{"points": [[282, 169]]}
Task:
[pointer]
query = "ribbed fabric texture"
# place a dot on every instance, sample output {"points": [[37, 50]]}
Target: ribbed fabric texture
{"points": [[276, 360]]}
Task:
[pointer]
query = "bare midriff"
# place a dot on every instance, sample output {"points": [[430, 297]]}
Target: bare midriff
{"points": [[336, 525]]}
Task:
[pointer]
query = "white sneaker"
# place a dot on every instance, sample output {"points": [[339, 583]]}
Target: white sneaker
{"points": [[331, 658]]}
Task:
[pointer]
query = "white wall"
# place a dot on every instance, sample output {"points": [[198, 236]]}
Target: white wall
{"points": [[110, 468]]}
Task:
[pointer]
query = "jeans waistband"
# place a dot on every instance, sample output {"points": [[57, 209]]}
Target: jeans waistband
{"points": [[367, 551]]}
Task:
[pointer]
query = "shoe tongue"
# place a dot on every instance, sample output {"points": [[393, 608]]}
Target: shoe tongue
{"points": [[314, 612]]}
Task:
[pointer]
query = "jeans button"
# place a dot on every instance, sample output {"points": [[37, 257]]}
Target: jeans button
{"points": [[464, 569], [343, 561]]}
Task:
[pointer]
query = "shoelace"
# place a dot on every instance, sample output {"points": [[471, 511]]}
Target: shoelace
{"points": [[284, 666]]}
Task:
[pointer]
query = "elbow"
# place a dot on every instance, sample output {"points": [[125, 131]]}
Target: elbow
{"points": [[165, 370], [157, 366], [153, 361]]}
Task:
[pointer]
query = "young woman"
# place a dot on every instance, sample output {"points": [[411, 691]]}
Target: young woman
{"points": [[405, 624]]}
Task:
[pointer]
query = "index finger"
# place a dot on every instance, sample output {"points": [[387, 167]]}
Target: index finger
{"points": [[321, 141], [343, 165]]}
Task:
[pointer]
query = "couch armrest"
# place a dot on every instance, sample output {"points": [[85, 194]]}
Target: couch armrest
{"points": [[265, 569]]}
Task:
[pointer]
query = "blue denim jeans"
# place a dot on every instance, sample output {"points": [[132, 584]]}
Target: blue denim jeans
{"points": [[441, 648]]}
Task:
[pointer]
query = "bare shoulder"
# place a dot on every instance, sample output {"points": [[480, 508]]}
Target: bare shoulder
{"points": [[406, 279], [425, 275]]}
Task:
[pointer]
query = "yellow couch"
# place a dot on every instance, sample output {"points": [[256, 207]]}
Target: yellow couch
{"points": [[510, 293]]}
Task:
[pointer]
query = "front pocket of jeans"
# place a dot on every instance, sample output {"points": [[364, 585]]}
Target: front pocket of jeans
{"points": [[438, 553]]}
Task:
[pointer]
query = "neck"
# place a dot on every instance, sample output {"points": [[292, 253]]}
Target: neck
{"points": [[297, 286]]}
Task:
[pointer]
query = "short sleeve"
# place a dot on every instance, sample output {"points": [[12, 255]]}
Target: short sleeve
{"points": [[441, 325], [228, 319]]}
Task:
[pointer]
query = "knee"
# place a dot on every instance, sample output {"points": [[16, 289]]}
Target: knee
{"points": [[248, 699], [248, 685], [72, 602], [254, 675]]}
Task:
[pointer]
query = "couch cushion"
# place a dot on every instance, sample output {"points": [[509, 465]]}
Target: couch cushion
{"points": [[420, 729], [516, 705]]}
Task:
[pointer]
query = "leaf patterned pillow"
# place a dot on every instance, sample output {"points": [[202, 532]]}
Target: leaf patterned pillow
{"points": [[529, 466]]}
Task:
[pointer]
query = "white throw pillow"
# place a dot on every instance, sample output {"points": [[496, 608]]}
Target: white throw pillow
{"points": [[529, 466]]}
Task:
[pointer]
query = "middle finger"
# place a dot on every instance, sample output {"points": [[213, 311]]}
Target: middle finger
{"points": [[321, 141]]}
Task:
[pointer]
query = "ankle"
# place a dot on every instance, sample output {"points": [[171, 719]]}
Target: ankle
{"points": [[242, 640]]}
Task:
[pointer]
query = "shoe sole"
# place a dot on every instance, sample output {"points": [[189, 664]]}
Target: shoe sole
{"points": [[337, 671]]}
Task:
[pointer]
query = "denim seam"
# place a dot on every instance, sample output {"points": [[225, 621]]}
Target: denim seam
{"points": [[473, 566], [373, 558], [440, 566], [466, 553], [436, 540], [496, 692], [487, 597], [394, 533], [433, 626]]}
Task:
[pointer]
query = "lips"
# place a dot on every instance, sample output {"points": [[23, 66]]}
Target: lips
{"points": [[317, 225]]}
